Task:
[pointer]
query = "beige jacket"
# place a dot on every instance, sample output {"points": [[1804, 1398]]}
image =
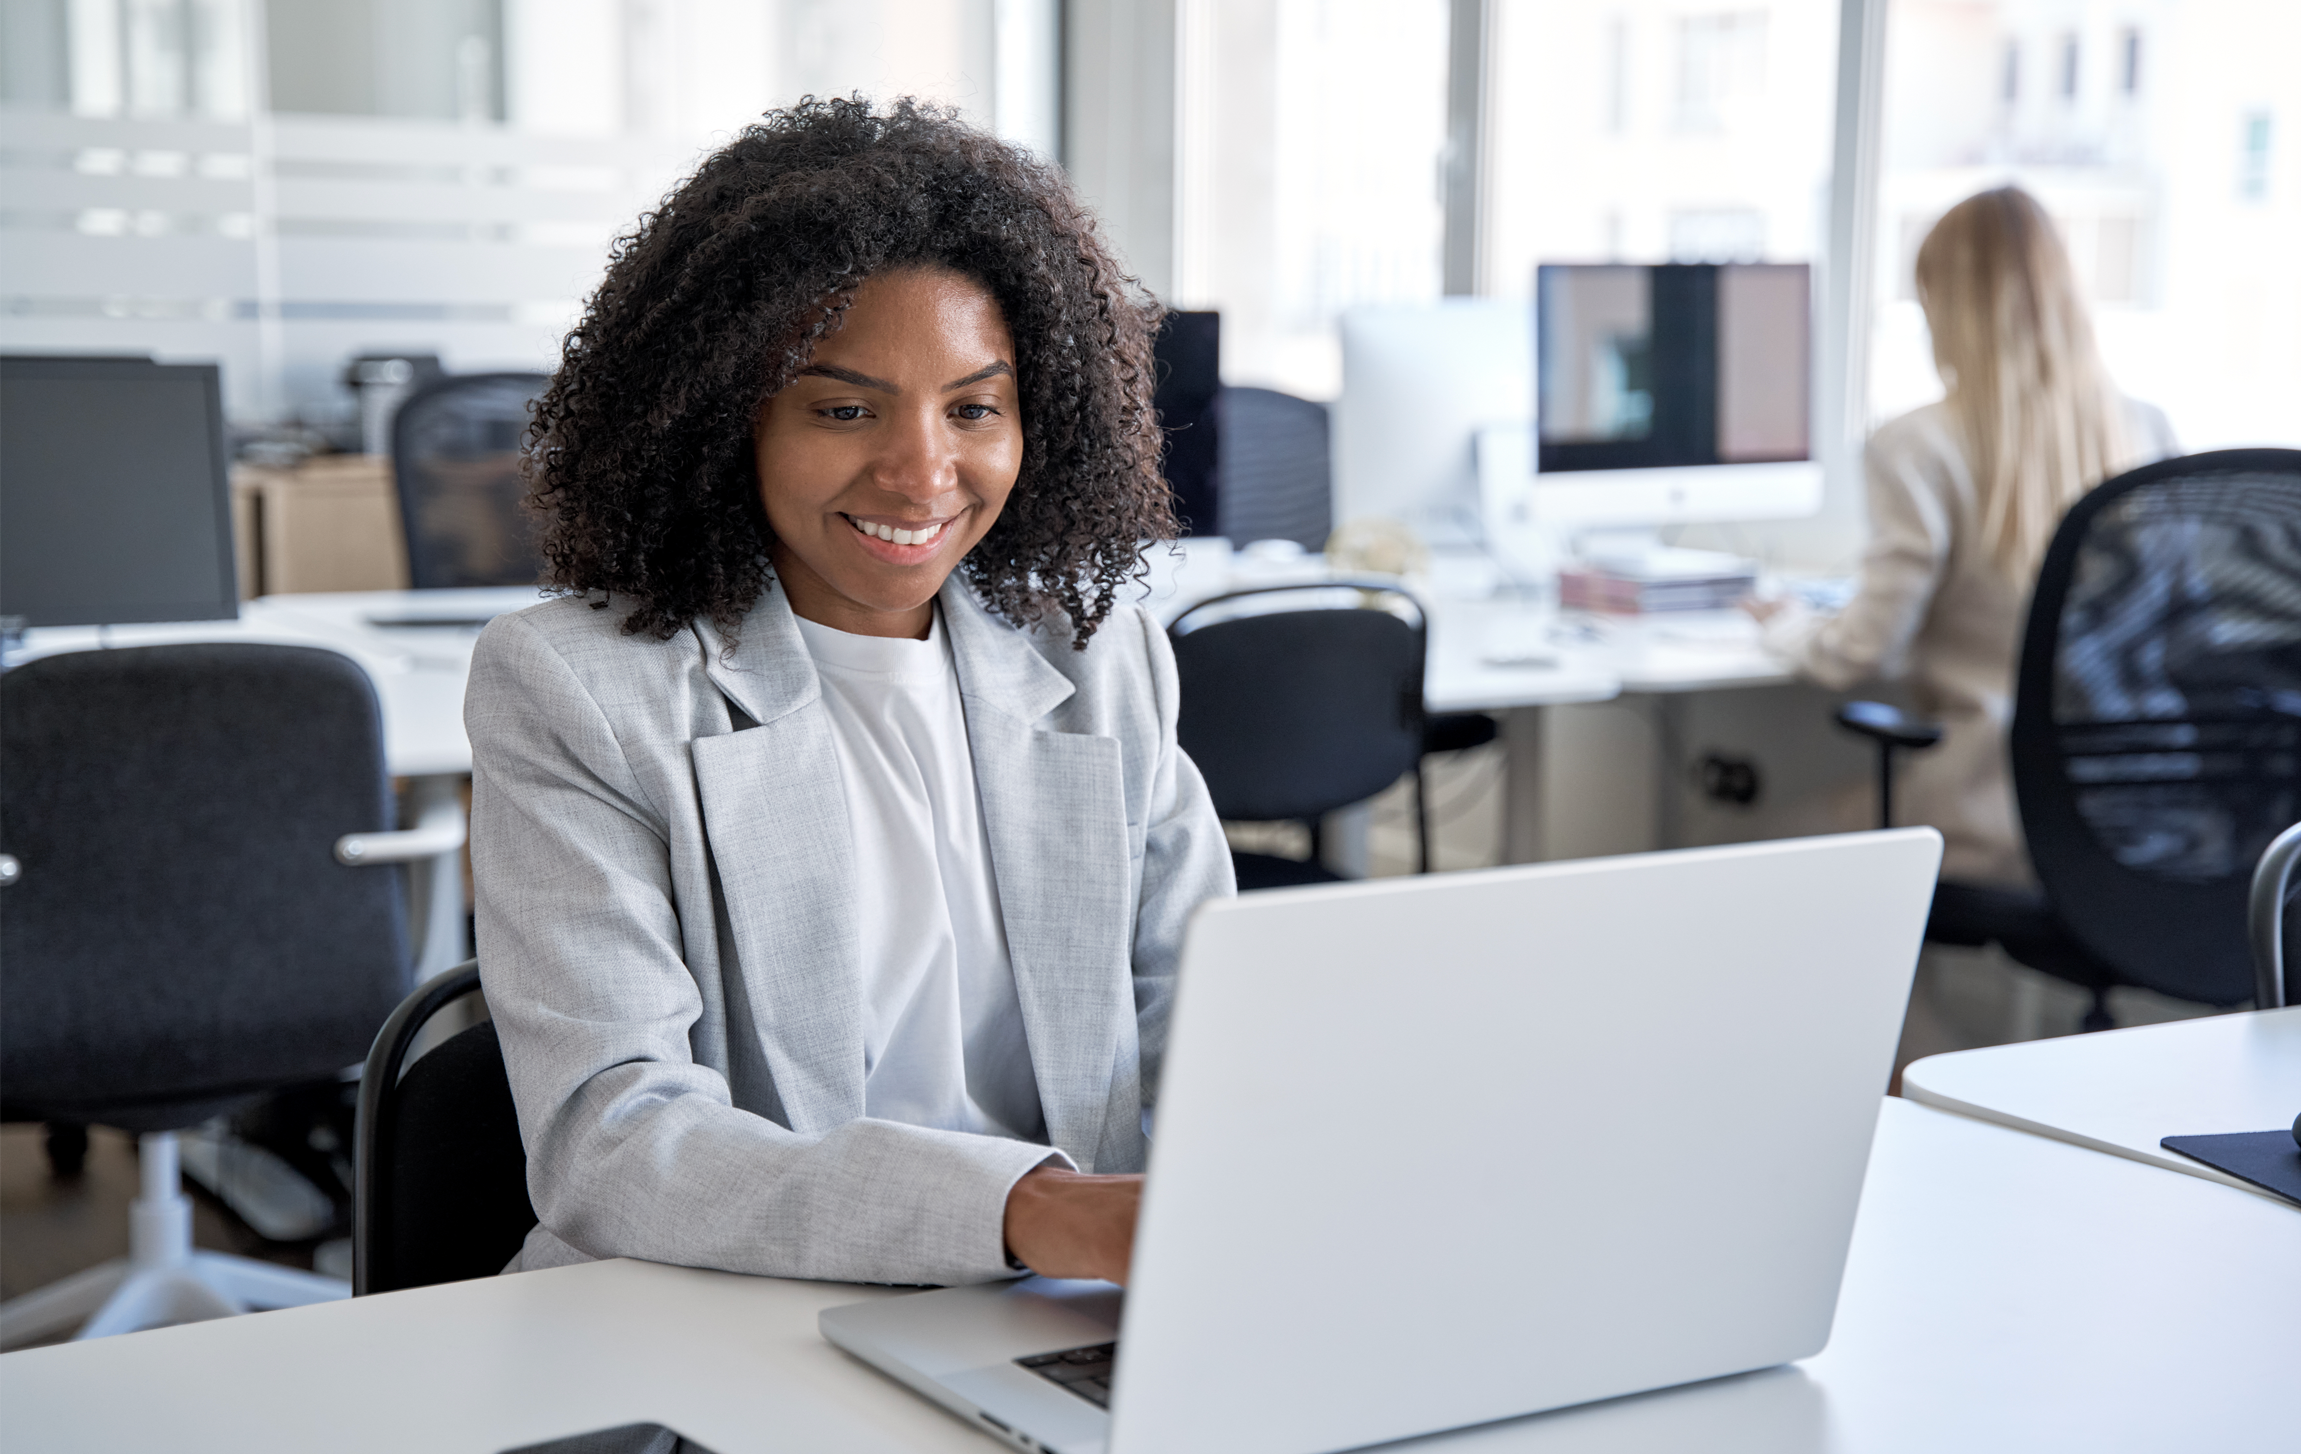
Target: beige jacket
{"points": [[1934, 611]]}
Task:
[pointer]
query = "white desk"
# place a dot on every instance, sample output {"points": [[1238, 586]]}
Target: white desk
{"points": [[1492, 654], [2004, 1293], [2121, 1090], [418, 671]]}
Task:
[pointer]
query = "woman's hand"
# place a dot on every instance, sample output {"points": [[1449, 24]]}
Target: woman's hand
{"points": [[1068, 1224]]}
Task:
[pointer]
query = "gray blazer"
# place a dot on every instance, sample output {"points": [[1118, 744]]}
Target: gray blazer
{"points": [[666, 909]]}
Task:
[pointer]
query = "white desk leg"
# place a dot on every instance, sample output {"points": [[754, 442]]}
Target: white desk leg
{"points": [[1522, 785], [437, 884]]}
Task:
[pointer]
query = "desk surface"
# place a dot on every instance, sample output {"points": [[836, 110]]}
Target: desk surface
{"points": [[1488, 654], [2121, 1090], [2005, 1292]]}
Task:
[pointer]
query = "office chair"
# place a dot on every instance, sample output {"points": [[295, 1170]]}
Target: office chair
{"points": [[2156, 739], [1300, 700], [455, 463], [1274, 480], [440, 1193], [182, 929], [1273, 475], [2270, 924]]}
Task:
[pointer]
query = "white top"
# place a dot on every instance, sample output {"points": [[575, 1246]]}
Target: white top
{"points": [[1934, 609], [943, 1039]]}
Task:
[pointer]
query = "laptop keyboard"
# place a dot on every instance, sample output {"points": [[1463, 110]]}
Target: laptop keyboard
{"points": [[1086, 1372]]}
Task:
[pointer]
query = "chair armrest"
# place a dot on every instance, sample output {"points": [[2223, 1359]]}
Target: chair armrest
{"points": [[440, 830], [2265, 916], [1887, 725]]}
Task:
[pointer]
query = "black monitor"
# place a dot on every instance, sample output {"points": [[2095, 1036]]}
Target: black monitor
{"points": [[1188, 365], [1642, 367], [115, 502]]}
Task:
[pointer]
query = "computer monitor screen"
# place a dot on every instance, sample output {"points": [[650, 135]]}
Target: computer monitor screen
{"points": [[114, 502], [1188, 364], [1680, 364]]}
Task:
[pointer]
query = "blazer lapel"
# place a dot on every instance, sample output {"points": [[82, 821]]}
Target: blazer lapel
{"points": [[775, 813], [1054, 808]]}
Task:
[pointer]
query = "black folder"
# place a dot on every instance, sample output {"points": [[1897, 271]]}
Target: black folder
{"points": [[2268, 1159]]}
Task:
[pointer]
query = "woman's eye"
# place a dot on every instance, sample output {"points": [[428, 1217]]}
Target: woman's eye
{"points": [[976, 411], [844, 413]]}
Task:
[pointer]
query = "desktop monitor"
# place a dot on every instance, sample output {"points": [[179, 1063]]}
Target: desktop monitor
{"points": [[1187, 360], [1665, 393], [115, 505], [1419, 383]]}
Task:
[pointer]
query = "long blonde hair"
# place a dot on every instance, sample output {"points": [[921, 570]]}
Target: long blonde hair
{"points": [[2015, 350]]}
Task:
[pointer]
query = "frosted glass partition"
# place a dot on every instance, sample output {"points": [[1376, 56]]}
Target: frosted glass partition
{"points": [[151, 236]]}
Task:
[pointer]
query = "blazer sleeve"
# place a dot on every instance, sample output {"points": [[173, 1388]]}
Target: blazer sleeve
{"points": [[1186, 861], [1902, 566], [634, 1149]]}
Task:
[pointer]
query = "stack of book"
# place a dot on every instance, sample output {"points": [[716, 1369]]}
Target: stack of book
{"points": [[1663, 578]]}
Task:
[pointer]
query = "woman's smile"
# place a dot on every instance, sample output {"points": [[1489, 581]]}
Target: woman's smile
{"points": [[912, 543]]}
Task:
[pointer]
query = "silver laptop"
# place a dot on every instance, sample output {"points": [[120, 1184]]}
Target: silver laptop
{"points": [[1436, 1151]]}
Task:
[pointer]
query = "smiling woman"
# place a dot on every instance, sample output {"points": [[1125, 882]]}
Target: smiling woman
{"points": [[728, 293], [831, 842], [878, 476]]}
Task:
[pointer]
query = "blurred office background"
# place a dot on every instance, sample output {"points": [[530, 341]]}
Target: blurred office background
{"points": [[284, 185]]}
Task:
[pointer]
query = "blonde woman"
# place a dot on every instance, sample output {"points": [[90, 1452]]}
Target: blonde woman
{"points": [[1963, 497]]}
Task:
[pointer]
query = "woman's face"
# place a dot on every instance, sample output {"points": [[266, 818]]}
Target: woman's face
{"points": [[892, 453]]}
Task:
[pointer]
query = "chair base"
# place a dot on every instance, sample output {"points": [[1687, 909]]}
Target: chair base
{"points": [[163, 1280], [120, 1297]]}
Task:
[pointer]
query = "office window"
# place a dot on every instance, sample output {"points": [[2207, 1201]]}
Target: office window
{"points": [[1717, 235], [2009, 73], [2253, 158], [440, 60], [2069, 55], [1618, 75], [2186, 252], [1721, 68], [1733, 166], [153, 59], [1313, 134], [2117, 259]]}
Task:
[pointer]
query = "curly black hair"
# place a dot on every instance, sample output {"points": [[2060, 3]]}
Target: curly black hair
{"points": [[640, 454]]}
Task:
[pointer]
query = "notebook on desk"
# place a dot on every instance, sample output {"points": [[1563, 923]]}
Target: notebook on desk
{"points": [[1406, 1174]]}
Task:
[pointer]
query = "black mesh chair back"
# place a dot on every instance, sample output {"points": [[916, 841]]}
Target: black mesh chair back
{"points": [[2157, 721], [1273, 474], [455, 461], [1297, 701], [180, 935], [440, 1192]]}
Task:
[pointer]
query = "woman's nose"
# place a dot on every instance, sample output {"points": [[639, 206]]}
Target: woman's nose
{"points": [[917, 459]]}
